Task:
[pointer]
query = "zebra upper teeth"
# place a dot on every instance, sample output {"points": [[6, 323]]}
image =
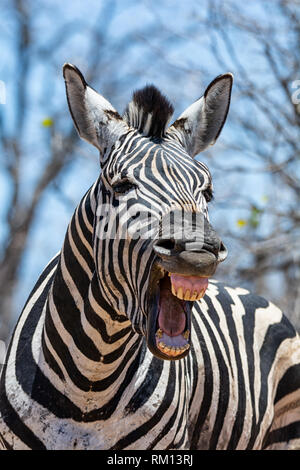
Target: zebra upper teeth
{"points": [[188, 287]]}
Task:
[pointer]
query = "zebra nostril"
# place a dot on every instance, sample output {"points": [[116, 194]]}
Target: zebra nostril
{"points": [[164, 247], [168, 244]]}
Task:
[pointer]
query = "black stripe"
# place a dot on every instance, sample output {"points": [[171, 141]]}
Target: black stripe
{"points": [[227, 303], [122, 247], [178, 444], [88, 209], [95, 286], [223, 297], [75, 270], [284, 434], [275, 335], [15, 423], [8, 414], [170, 423], [100, 262], [112, 245], [192, 362], [6, 445], [182, 425], [80, 246], [99, 324], [224, 386], [207, 387], [70, 316], [145, 428], [250, 304], [289, 383], [145, 269], [144, 392], [50, 360]]}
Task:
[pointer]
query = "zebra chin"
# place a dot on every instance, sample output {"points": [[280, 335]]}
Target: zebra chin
{"points": [[171, 298]]}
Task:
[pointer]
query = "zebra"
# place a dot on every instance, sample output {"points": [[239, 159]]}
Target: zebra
{"points": [[126, 341]]}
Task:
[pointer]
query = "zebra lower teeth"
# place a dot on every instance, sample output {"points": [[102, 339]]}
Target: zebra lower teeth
{"points": [[172, 350]]}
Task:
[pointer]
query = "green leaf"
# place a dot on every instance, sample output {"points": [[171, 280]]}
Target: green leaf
{"points": [[255, 216], [47, 122], [241, 223]]}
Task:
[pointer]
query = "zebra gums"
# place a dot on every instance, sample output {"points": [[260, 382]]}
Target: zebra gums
{"points": [[125, 341]]}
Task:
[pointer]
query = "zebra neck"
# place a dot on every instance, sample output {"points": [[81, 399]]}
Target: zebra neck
{"points": [[83, 341]]}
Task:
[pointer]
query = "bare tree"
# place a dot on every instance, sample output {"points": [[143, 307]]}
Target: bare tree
{"points": [[266, 119]]}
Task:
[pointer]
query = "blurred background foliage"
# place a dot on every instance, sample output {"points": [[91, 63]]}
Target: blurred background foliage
{"points": [[121, 45]]}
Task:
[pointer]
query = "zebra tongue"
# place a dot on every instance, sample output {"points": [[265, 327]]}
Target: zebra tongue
{"points": [[171, 317]]}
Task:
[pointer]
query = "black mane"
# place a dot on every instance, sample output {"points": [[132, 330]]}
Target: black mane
{"points": [[149, 112]]}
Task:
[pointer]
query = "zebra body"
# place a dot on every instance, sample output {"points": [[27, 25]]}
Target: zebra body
{"points": [[82, 370]]}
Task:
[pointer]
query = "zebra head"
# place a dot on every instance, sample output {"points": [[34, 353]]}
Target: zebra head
{"points": [[154, 248]]}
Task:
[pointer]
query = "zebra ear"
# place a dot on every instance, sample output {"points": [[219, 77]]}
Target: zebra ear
{"points": [[94, 117], [201, 123]]}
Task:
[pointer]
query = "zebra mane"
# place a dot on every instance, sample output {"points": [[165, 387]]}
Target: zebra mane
{"points": [[149, 112]]}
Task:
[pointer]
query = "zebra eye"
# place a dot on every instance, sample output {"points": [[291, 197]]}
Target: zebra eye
{"points": [[123, 187], [208, 194]]}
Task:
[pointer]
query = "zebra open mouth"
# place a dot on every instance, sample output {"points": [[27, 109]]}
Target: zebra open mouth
{"points": [[169, 321]]}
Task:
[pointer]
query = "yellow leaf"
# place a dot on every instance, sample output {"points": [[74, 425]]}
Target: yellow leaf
{"points": [[47, 122], [241, 223]]}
